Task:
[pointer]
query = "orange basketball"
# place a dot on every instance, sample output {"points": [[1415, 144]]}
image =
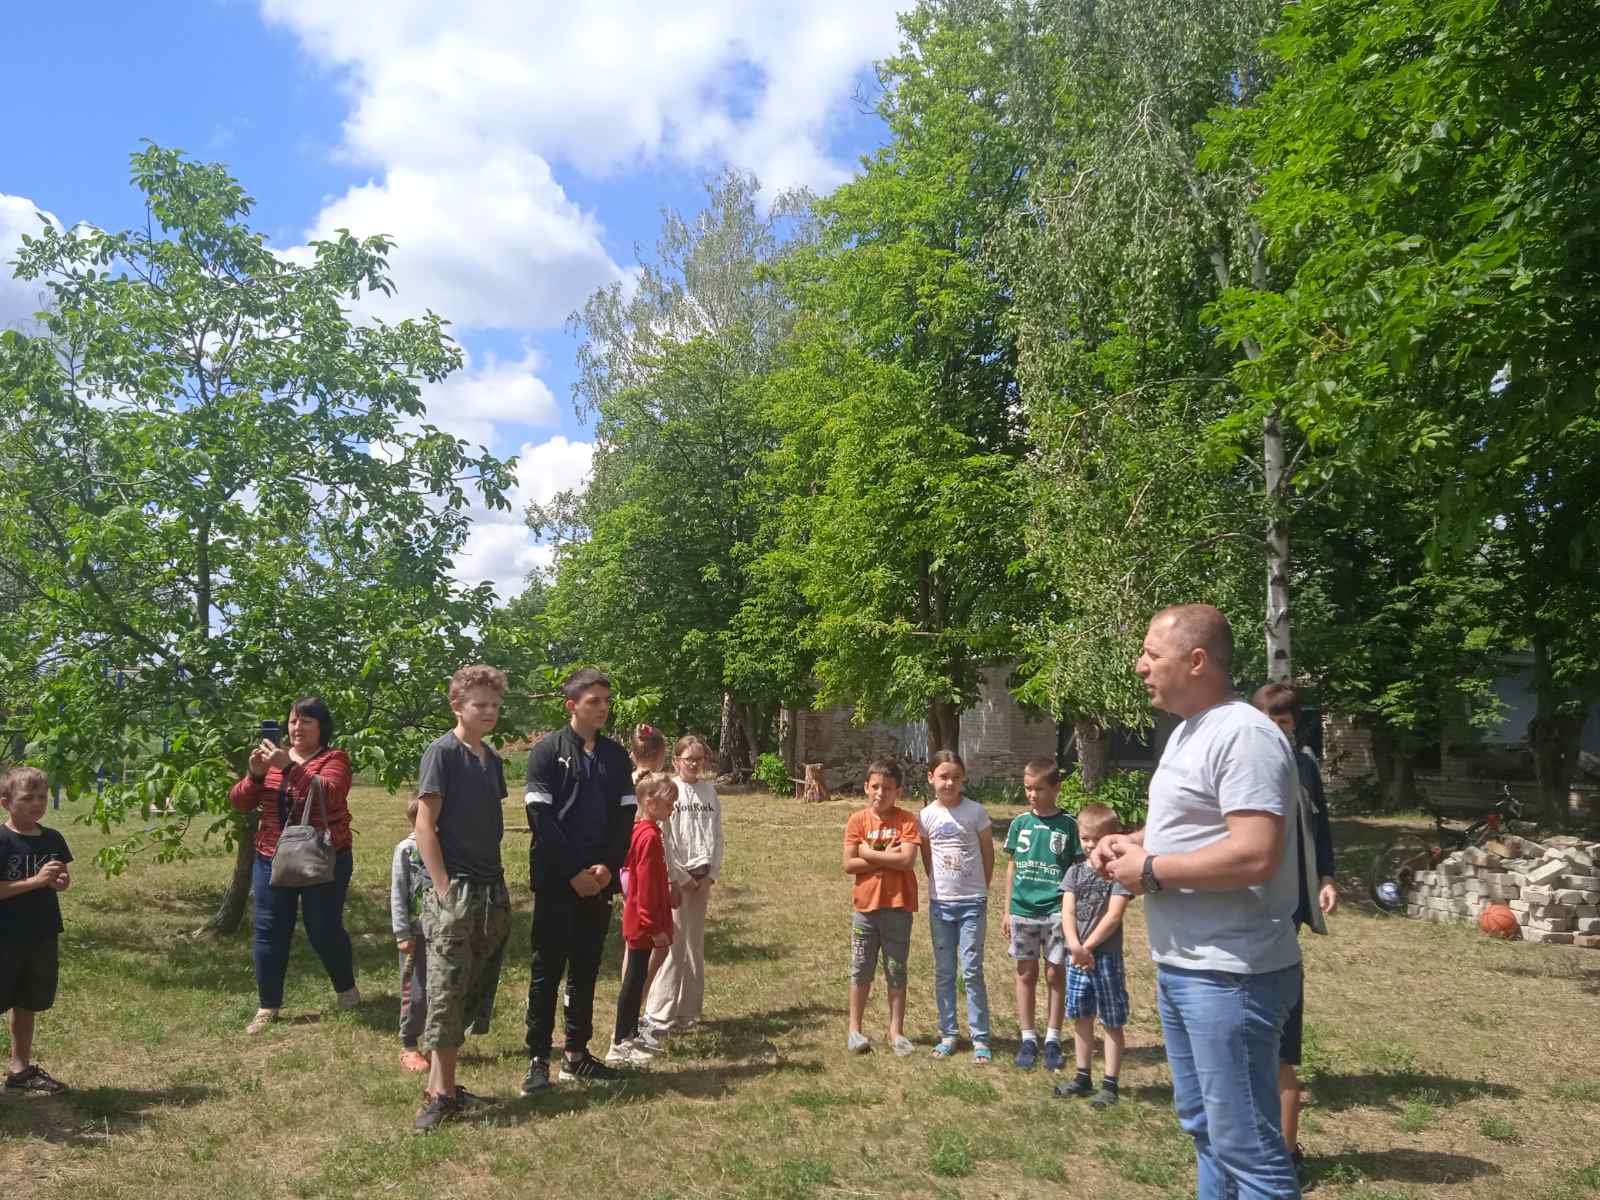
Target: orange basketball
{"points": [[1499, 921]]}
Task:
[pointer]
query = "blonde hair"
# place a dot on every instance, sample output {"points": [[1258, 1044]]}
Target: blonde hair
{"points": [[655, 783], [688, 742], [479, 676], [1097, 820], [19, 781]]}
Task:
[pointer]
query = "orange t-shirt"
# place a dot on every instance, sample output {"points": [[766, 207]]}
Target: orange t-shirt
{"points": [[885, 887]]}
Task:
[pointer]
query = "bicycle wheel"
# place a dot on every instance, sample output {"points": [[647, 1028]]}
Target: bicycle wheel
{"points": [[1396, 868]]}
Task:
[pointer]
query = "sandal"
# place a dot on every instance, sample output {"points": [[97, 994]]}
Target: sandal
{"points": [[980, 1053], [263, 1018], [944, 1049]]}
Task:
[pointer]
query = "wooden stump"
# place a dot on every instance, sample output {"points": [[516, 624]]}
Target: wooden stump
{"points": [[815, 787]]}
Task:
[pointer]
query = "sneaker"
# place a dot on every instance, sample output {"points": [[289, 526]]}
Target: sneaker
{"points": [[857, 1043], [1028, 1054], [349, 998], [902, 1046], [263, 1018], [1073, 1088], [586, 1068], [469, 1101], [1104, 1098], [650, 1040], [628, 1053], [435, 1111], [538, 1077], [1054, 1059], [34, 1079], [413, 1060]]}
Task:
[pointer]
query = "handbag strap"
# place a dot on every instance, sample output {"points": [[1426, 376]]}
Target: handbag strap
{"points": [[314, 790]]}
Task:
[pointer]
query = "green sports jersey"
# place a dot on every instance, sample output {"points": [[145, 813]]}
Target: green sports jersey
{"points": [[1041, 849]]}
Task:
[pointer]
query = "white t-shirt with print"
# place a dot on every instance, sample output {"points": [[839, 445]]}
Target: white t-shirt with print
{"points": [[1229, 758], [952, 838]]}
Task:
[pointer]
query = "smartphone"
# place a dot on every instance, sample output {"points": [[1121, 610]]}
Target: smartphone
{"points": [[271, 732]]}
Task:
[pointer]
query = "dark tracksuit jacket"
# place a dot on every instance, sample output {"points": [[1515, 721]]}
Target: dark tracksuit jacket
{"points": [[555, 779]]}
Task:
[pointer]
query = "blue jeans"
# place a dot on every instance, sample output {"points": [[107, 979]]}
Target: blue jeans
{"points": [[959, 926], [1222, 1032], [274, 927]]}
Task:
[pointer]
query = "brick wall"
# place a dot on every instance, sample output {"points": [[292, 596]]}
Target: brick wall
{"points": [[1347, 760], [998, 735]]}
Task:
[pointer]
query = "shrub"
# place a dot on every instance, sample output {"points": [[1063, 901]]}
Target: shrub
{"points": [[771, 774], [1127, 793]]}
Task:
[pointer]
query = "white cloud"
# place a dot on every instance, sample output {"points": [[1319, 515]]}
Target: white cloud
{"points": [[476, 399], [19, 298], [460, 107], [600, 84], [490, 244], [500, 548]]}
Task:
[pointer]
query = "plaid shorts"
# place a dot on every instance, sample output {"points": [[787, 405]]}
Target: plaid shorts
{"points": [[1102, 992], [1038, 937]]}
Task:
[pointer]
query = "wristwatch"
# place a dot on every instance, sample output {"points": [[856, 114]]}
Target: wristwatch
{"points": [[1148, 876]]}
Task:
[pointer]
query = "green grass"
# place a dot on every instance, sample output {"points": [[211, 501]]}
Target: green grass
{"points": [[173, 1101]]}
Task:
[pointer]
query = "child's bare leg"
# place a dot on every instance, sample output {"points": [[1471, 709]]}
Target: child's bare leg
{"points": [[897, 1012], [1115, 1041], [1027, 992], [1055, 982], [1289, 1103], [21, 1039], [859, 992], [1083, 1042], [442, 1071]]}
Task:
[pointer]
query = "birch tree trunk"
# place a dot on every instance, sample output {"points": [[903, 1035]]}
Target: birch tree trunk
{"points": [[1280, 665]]}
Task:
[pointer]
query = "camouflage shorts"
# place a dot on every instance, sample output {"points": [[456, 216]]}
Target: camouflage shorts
{"points": [[466, 935]]}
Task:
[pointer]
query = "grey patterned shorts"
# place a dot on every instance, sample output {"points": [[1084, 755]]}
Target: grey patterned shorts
{"points": [[1038, 937], [884, 929]]}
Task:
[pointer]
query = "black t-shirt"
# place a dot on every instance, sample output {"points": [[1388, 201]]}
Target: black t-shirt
{"points": [[36, 915], [471, 820]]}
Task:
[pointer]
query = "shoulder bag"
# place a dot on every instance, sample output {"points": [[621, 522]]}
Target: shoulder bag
{"points": [[304, 857]]}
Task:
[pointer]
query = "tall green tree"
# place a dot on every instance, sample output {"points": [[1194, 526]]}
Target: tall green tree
{"points": [[899, 400], [1143, 477], [654, 565], [220, 493], [1430, 174]]}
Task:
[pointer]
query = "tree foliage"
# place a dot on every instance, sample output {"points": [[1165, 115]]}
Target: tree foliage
{"points": [[220, 493]]}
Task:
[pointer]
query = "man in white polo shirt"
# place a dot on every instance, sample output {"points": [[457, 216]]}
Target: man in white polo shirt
{"points": [[1220, 884]]}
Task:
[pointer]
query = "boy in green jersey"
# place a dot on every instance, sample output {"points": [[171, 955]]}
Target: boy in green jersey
{"points": [[1042, 843]]}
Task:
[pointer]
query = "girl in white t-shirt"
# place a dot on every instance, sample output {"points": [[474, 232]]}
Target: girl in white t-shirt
{"points": [[958, 857]]}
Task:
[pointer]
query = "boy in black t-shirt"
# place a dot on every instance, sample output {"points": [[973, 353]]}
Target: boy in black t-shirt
{"points": [[33, 868]]}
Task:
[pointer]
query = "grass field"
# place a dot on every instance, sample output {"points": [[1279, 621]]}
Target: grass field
{"points": [[1440, 1063]]}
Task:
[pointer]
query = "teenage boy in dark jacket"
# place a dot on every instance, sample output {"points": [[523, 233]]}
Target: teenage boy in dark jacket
{"points": [[580, 807]]}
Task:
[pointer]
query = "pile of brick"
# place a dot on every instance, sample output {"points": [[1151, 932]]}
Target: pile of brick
{"points": [[1552, 886]]}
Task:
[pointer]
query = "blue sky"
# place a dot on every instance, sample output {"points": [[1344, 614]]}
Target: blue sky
{"points": [[516, 151]]}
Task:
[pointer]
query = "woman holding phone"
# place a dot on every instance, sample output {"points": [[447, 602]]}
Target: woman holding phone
{"points": [[279, 778]]}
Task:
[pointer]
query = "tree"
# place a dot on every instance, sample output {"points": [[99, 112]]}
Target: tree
{"points": [[1430, 174], [220, 494], [1140, 478], [898, 399], [654, 568]]}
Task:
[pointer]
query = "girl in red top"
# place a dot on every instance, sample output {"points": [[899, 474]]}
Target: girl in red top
{"points": [[276, 785], [646, 914]]}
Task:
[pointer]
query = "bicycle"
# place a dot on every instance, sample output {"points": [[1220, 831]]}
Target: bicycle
{"points": [[1407, 854]]}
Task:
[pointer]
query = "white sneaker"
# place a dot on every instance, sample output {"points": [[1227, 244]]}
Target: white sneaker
{"points": [[650, 1040], [348, 999], [627, 1054]]}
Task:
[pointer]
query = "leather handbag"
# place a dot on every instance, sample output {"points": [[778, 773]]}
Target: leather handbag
{"points": [[305, 854]]}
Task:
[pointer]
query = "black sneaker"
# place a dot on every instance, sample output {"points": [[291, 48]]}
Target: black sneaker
{"points": [[538, 1077], [586, 1068], [468, 1101], [34, 1079], [435, 1111], [1104, 1098], [1072, 1089]]}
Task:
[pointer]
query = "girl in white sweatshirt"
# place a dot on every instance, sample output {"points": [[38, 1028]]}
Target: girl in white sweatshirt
{"points": [[693, 844]]}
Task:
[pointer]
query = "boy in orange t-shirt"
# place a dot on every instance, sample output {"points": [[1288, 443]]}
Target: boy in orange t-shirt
{"points": [[880, 846]]}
